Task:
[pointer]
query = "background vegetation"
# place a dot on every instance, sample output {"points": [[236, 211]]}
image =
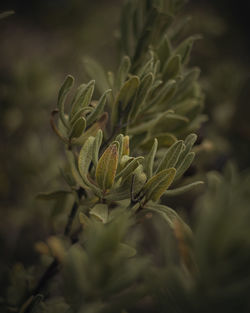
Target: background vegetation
{"points": [[43, 42]]}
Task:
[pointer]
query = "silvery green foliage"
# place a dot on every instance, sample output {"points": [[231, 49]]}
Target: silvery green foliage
{"points": [[154, 92], [217, 254], [98, 263]]}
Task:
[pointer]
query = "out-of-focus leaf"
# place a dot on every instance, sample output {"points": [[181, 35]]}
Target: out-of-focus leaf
{"points": [[172, 68], [6, 14], [185, 48], [53, 195], [127, 250], [100, 211], [96, 71]]}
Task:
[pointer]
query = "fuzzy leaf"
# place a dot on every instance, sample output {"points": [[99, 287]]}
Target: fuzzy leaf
{"points": [[81, 113], [106, 167], [185, 48], [130, 167], [127, 92], [127, 250], [123, 72], [92, 131], [185, 164], [189, 142], [182, 189], [84, 219], [172, 68], [85, 157], [164, 50], [96, 147], [96, 71], [100, 211], [149, 161], [84, 97], [52, 195], [78, 128], [125, 146], [142, 95], [172, 155], [158, 184], [64, 90], [168, 214], [99, 108], [74, 170]]}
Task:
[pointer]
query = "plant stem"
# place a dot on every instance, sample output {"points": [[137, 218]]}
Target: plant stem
{"points": [[53, 268]]}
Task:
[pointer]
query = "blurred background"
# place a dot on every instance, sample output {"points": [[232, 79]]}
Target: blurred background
{"points": [[46, 40]]}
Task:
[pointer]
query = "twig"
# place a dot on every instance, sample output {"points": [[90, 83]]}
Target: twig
{"points": [[53, 269]]}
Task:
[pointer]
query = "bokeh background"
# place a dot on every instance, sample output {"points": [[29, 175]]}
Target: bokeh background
{"points": [[46, 40]]}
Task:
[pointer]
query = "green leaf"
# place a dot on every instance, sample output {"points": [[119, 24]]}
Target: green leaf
{"points": [[125, 146], [164, 140], [74, 169], [100, 211], [185, 48], [172, 68], [96, 71], [158, 184], [64, 90], [189, 108], [125, 97], [130, 167], [84, 97], [185, 164], [96, 147], [168, 214], [92, 130], [127, 92], [164, 50], [127, 250], [171, 122], [81, 113], [78, 128], [186, 84], [52, 195], [85, 157], [171, 157], [106, 167], [189, 142], [142, 94], [84, 161], [138, 181], [84, 219], [149, 160], [163, 94], [6, 14], [182, 189], [99, 108], [123, 72]]}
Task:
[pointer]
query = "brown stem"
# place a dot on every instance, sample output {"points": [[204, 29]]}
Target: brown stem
{"points": [[53, 268]]}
